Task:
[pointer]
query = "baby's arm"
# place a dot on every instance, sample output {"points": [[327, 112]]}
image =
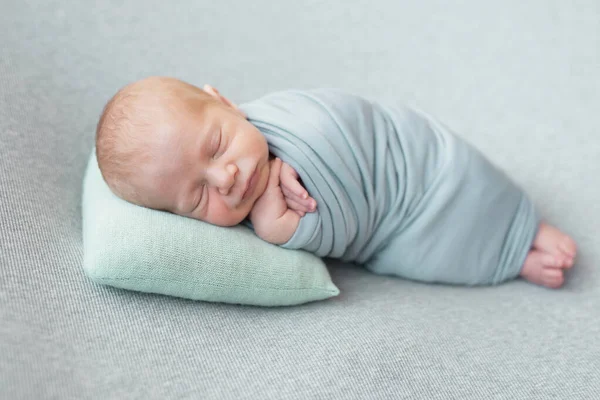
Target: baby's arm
{"points": [[271, 218]]}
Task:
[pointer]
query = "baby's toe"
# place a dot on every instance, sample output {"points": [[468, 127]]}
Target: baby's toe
{"points": [[553, 277], [568, 263], [568, 246], [560, 261], [551, 260]]}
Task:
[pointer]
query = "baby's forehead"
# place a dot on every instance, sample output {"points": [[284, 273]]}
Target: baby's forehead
{"points": [[175, 113]]}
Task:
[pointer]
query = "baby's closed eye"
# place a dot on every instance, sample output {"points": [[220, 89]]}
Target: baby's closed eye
{"points": [[216, 148]]}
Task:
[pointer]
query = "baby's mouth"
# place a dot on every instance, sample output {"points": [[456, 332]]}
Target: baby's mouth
{"points": [[250, 185]]}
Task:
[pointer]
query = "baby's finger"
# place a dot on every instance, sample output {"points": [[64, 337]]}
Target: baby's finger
{"points": [[275, 166], [305, 204], [289, 194], [289, 178], [295, 206], [308, 205], [295, 187], [289, 170], [300, 213]]}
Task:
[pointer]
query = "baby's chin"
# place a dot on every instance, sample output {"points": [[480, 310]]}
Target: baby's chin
{"points": [[230, 217], [225, 222]]}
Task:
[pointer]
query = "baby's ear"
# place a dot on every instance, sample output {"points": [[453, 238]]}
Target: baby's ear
{"points": [[215, 93], [212, 91]]}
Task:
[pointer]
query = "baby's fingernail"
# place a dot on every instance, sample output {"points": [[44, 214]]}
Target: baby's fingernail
{"points": [[305, 196]]}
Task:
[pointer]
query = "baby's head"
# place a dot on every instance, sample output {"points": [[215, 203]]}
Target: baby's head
{"points": [[167, 145]]}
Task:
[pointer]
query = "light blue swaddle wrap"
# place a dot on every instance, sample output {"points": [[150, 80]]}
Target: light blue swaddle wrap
{"points": [[396, 191]]}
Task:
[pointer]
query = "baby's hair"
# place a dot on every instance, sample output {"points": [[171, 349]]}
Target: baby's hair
{"points": [[122, 146]]}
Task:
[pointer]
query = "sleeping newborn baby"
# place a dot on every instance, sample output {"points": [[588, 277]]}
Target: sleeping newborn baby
{"points": [[332, 173]]}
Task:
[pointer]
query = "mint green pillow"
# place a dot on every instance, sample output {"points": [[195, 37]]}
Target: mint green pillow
{"points": [[136, 248]]}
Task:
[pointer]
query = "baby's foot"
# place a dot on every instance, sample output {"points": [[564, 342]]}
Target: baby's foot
{"points": [[551, 240], [544, 269]]}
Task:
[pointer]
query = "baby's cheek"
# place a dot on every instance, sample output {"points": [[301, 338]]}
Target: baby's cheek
{"points": [[223, 214], [244, 210]]}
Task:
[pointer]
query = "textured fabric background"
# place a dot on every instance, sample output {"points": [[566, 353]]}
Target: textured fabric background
{"points": [[520, 80]]}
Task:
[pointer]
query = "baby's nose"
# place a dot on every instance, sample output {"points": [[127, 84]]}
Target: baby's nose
{"points": [[225, 178]]}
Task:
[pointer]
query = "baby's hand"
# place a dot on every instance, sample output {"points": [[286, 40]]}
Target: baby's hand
{"points": [[272, 219], [296, 196]]}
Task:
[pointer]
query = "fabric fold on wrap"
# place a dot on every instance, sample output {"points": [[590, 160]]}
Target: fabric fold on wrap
{"points": [[396, 190]]}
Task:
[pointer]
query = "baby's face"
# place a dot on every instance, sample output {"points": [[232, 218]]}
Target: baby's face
{"points": [[212, 165]]}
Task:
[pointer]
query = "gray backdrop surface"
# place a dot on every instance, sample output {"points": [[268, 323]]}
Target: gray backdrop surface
{"points": [[519, 80]]}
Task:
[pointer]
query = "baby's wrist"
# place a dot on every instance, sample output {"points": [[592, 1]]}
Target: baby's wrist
{"points": [[276, 231]]}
